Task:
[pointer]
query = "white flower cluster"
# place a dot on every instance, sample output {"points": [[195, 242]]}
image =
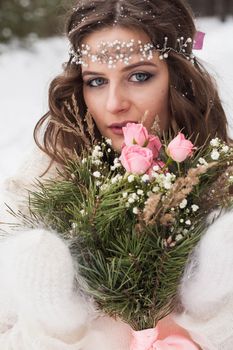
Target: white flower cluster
{"points": [[184, 204], [164, 181], [215, 154], [131, 178], [230, 179], [218, 148], [215, 142], [116, 179], [184, 226], [187, 210], [202, 161], [132, 198], [116, 164], [108, 141], [104, 187], [145, 178], [194, 207], [97, 174], [145, 185], [97, 159], [97, 155]]}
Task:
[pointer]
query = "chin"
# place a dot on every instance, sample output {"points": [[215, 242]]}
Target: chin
{"points": [[117, 145]]}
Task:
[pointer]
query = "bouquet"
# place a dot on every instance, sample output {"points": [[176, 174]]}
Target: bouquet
{"points": [[133, 219]]}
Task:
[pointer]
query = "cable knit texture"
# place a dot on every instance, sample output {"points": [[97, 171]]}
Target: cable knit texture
{"points": [[207, 288], [14, 190]]}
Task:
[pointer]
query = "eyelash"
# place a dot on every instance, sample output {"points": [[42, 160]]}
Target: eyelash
{"points": [[147, 76]]}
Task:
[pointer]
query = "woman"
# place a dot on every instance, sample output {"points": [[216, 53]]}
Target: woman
{"points": [[129, 60]]}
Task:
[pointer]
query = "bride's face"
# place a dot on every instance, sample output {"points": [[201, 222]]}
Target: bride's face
{"points": [[126, 92]]}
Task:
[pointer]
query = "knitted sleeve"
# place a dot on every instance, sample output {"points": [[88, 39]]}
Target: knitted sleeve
{"points": [[207, 288], [14, 190], [40, 308]]}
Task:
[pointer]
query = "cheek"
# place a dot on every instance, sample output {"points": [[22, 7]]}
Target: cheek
{"points": [[163, 99], [155, 94], [158, 106], [161, 94], [155, 101], [93, 104]]}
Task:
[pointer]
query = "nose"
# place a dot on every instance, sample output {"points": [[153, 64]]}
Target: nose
{"points": [[117, 100]]}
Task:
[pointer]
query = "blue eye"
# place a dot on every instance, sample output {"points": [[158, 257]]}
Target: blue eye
{"points": [[96, 82], [140, 77]]}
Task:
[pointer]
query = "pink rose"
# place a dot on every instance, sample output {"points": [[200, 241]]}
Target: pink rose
{"points": [[136, 159], [180, 148], [154, 144], [135, 134]]}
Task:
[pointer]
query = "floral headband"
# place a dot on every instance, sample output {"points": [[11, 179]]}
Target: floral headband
{"points": [[121, 51]]}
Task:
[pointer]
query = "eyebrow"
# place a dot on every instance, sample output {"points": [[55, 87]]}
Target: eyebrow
{"points": [[125, 69]]}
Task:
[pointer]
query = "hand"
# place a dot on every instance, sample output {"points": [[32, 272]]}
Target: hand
{"points": [[206, 289], [208, 277], [39, 276]]}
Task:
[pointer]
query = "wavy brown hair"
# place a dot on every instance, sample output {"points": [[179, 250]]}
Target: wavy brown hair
{"points": [[194, 103]]}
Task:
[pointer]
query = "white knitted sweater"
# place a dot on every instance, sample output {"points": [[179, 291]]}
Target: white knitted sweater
{"points": [[41, 307]]}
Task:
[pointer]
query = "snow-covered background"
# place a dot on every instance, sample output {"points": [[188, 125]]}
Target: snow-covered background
{"points": [[25, 76]]}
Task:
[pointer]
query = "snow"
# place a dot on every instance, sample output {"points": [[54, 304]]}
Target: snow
{"points": [[25, 76]]}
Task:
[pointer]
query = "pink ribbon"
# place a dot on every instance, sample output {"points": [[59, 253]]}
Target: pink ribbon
{"points": [[198, 41], [148, 340]]}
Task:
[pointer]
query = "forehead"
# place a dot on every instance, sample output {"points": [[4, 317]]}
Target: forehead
{"points": [[115, 33]]}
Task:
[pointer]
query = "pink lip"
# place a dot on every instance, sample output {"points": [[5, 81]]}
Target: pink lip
{"points": [[121, 125], [116, 128]]}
